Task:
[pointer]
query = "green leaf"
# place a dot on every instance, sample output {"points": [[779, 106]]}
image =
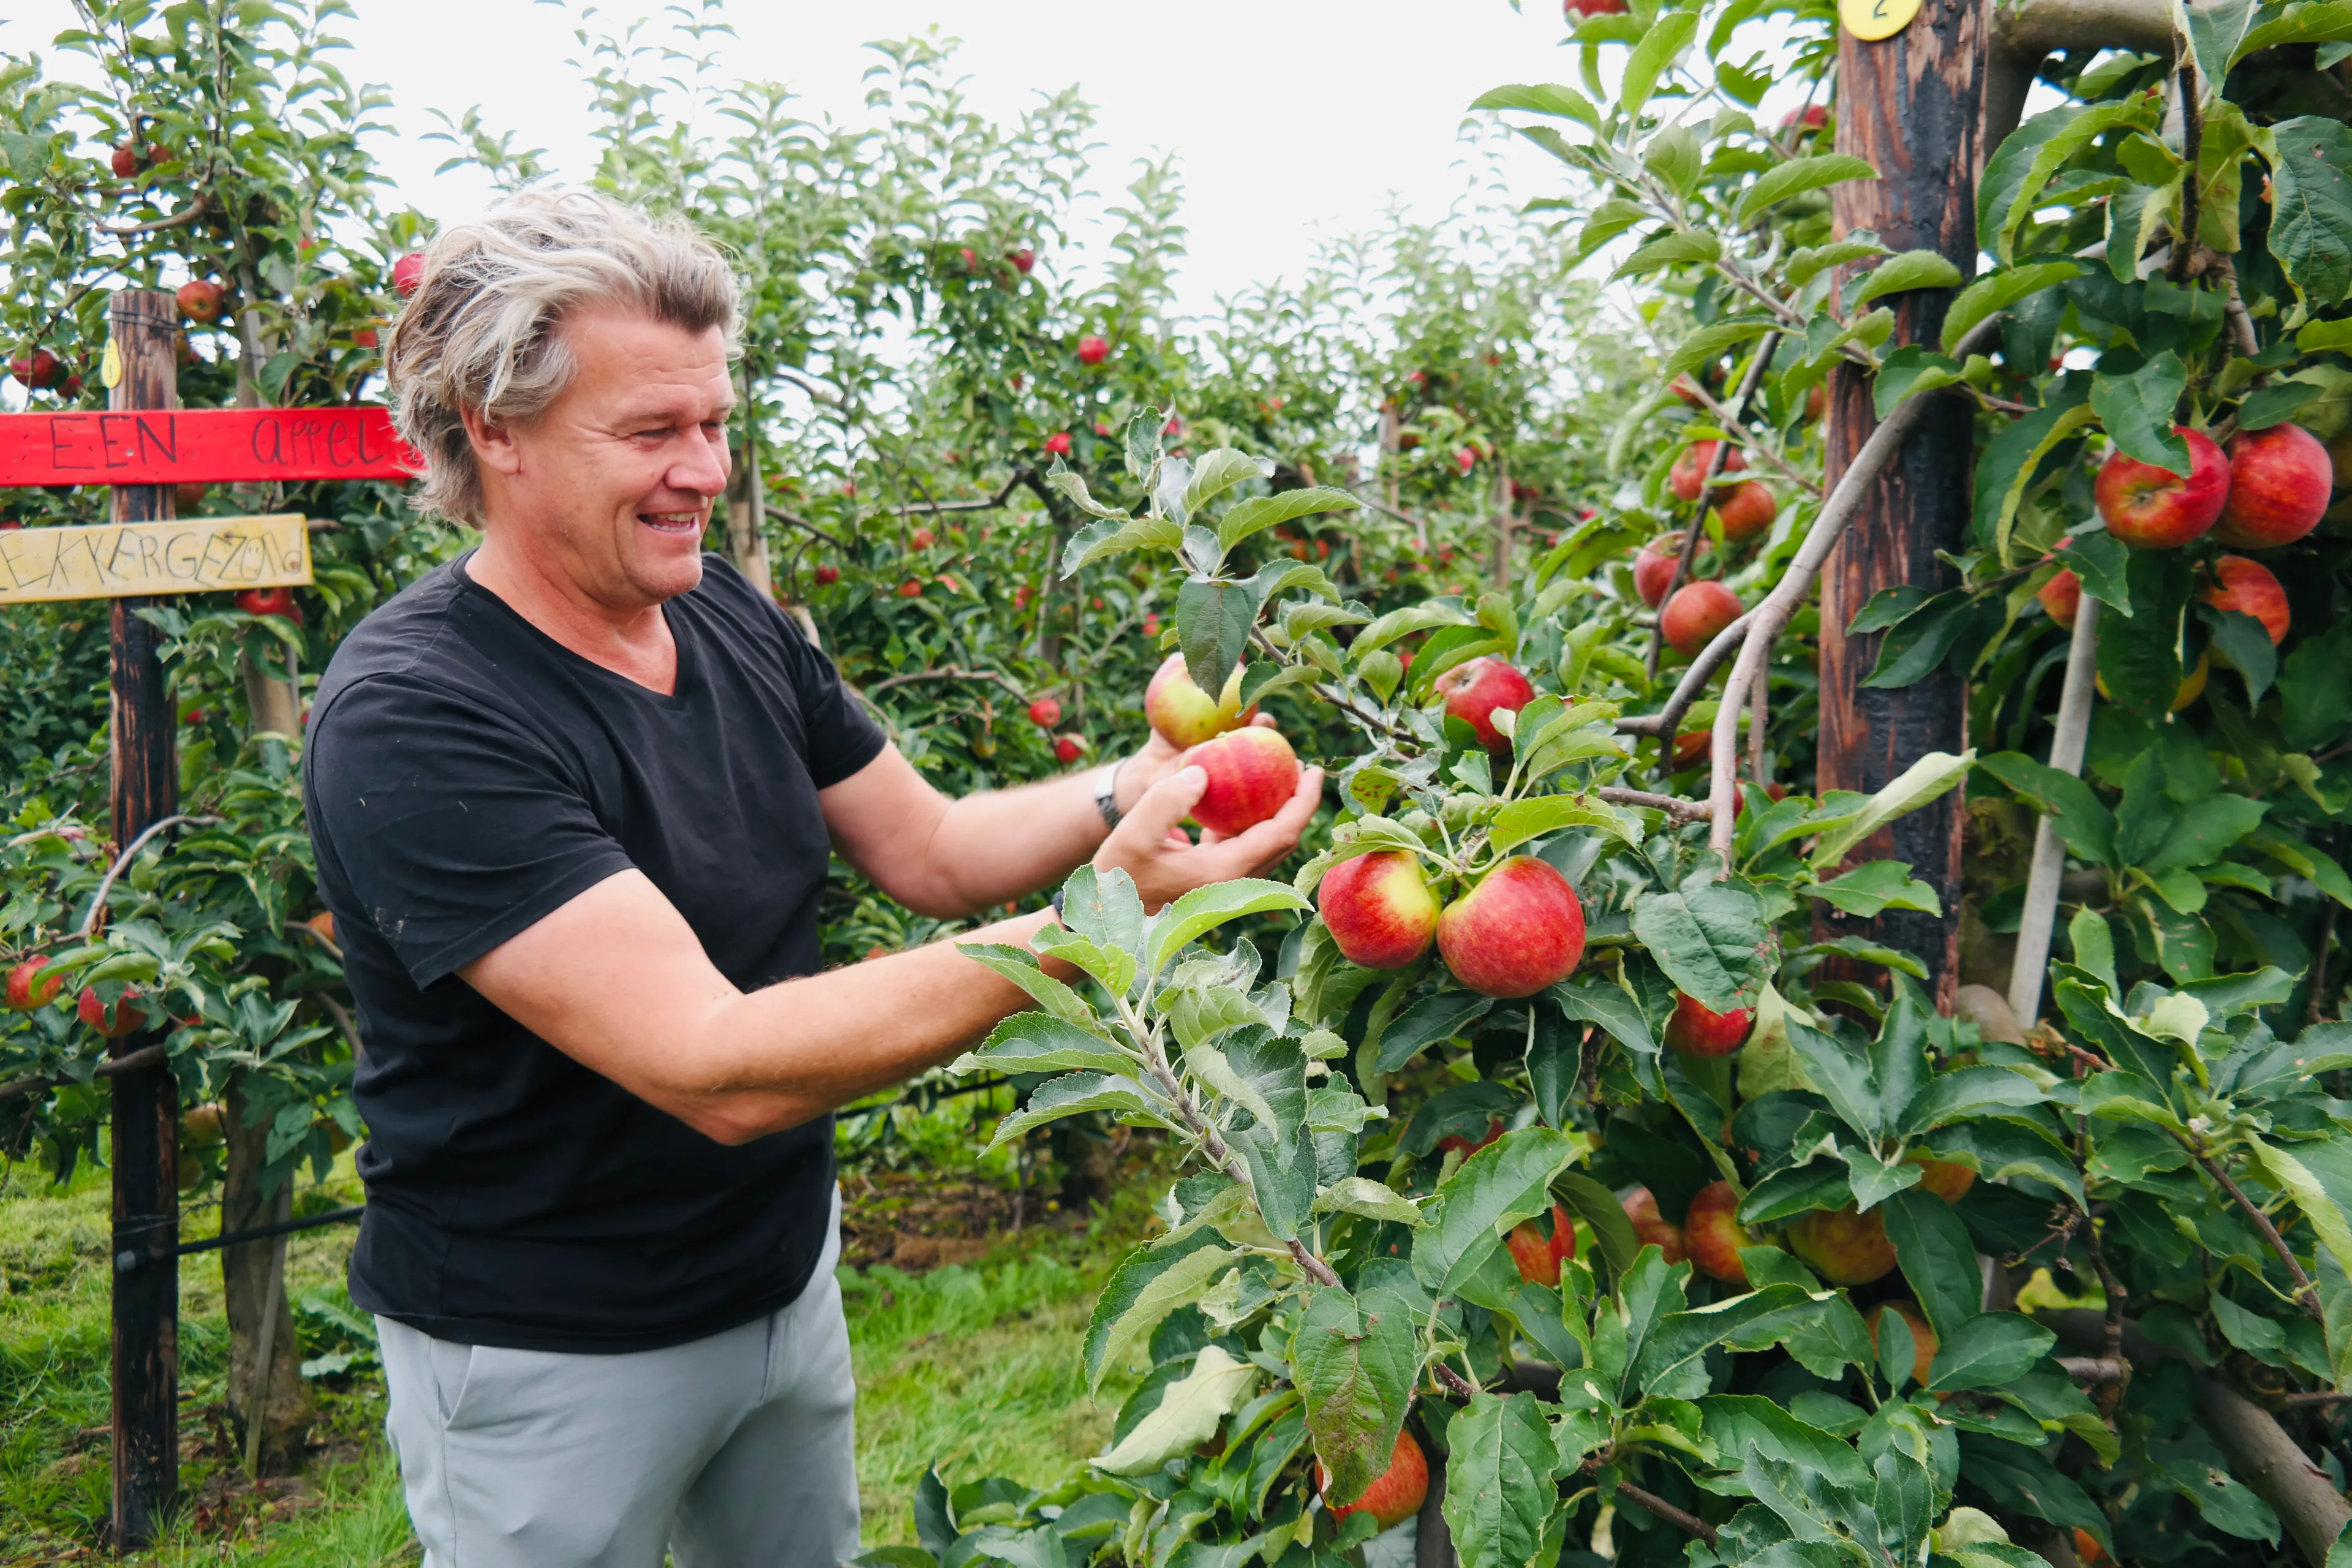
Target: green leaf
{"points": [[1404, 623], [1801, 174], [1371, 1199], [1203, 909], [1426, 1022], [1214, 618], [2311, 206], [1508, 1181], [1264, 1074], [2325, 22], [1711, 938], [1598, 1208], [1219, 470], [2275, 404], [1546, 97], [1040, 1043], [2082, 820], [1500, 1457], [1870, 889], [1806, 264], [1261, 512], [1146, 1287], [1709, 344], [1680, 1337], [1739, 1424], [1522, 820], [1104, 908], [2017, 171], [2102, 563], [1656, 52], [1968, 1091], [1908, 372], [2010, 458], [1188, 1415], [2315, 698], [1990, 1348], [1019, 965], [1115, 536], [1933, 1249], [1354, 1363], [1999, 291], [1686, 246], [2292, 1176], [1076, 1093], [1925, 779], [1910, 270], [2138, 411]]}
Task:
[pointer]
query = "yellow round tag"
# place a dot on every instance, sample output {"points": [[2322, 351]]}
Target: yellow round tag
{"points": [[1875, 19], [109, 369]]}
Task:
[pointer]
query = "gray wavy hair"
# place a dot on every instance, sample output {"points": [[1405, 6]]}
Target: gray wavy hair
{"points": [[483, 329]]}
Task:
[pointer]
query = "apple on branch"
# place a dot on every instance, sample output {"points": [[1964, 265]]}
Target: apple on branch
{"points": [[1184, 713], [1395, 1496], [1379, 908], [1519, 929], [1475, 691]]}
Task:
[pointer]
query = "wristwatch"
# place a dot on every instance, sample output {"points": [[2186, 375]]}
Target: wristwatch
{"points": [[1107, 792]]}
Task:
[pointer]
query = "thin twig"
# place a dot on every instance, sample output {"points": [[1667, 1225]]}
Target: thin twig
{"points": [[1689, 1523], [2113, 1288], [106, 883], [1678, 810], [1461, 1386], [2306, 1294], [113, 1066], [1710, 658], [196, 210]]}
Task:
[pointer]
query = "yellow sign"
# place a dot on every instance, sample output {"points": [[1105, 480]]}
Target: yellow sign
{"points": [[1872, 20], [117, 560]]}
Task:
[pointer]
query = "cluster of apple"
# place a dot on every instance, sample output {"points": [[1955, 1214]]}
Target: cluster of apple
{"points": [[1252, 769], [1701, 608], [28, 989], [2269, 489], [1517, 928]]}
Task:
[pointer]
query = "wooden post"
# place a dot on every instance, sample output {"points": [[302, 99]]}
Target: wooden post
{"points": [[1910, 105], [146, 1112]]}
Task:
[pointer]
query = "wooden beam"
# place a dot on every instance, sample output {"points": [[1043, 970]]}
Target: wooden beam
{"points": [[1911, 105]]}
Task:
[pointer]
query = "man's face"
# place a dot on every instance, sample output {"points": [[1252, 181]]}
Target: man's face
{"points": [[612, 488]]}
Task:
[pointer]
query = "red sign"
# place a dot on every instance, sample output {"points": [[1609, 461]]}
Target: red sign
{"points": [[208, 445]]}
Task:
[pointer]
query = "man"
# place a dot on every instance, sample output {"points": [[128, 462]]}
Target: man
{"points": [[573, 796]]}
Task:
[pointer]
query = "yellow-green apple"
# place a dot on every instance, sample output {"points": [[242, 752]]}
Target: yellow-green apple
{"points": [[1253, 773], [2248, 587], [1747, 510], [1651, 1228], [1379, 908], [1518, 930], [1844, 1246], [2279, 481], [1946, 1179], [1539, 1256], [202, 1126], [1184, 713], [1712, 1234], [2062, 597], [28, 988], [2156, 508], [114, 1022], [1697, 612], [1923, 1336], [1699, 1030], [1653, 568], [1475, 691], [1396, 1496], [1689, 475]]}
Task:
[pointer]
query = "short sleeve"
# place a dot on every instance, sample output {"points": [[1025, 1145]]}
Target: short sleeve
{"points": [[842, 736], [450, 827]]}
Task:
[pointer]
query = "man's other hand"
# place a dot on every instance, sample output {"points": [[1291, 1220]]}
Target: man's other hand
{"points": [[1151, 845]]}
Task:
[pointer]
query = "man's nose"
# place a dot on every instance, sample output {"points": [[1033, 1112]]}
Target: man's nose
{"points": [[702, 470]]}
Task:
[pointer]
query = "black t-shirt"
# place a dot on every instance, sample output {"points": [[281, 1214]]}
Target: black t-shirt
{"points": [[466, 775]]}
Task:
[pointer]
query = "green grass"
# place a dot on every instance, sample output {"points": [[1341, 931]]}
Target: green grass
{"points": [[973, 1368]]}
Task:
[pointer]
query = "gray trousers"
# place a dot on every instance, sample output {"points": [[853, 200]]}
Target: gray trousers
{"points": [[735, 1451]]}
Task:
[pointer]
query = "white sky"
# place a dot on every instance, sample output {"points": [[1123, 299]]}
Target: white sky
{"points": [[1294, 120]]}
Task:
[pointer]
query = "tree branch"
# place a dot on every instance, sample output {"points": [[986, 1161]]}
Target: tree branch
{"points": [[1718, 463], [106, 883], [1689, 1523], [2306, 1294]]}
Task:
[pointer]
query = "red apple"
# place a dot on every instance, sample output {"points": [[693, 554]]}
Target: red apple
{"points": [[1184, 713], [157, 154], [28, 989], [1686, 390], [1594, 7], [1698, 1030], [114, 1022], [826, 575], [910, 589], [408, 274], [1379, 908], [1396, 1496], [1844, 1246], [1747, 511], [1068, 749], [1518, 930], [1456, 1142], [1539, 1256], [970, 260], [126, 161], [1923, 1343], [1023, 259], [1058, 443], [364, 338], [1466, 458], [1697, 612], [1476, 690], [2061, 596], [1653, 568], [1945, 1178], [1253, 773], [1093, 351], [1651, 1228], [2248, 587], [35, 370], [1689, 475], [1045, 712], [276, 602], [2156, 508], [1712, 1232], [201, 300], [1691, 746], [921, 539], [2279, 481], [1816, 115]]}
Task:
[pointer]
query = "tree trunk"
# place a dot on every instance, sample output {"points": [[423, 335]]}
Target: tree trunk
{"points": [[747, 533], [1910, 105], [246, 1285]]}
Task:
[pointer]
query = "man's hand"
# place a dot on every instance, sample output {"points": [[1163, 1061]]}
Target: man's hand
{"points": [[1150, 845], [1156, 761]]}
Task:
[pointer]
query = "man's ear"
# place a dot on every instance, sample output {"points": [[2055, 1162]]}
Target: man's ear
{"points": [[494, 445]]}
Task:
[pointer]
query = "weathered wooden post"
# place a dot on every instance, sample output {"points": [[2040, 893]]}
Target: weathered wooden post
{"points": [[1909, 103], [143, 374]]}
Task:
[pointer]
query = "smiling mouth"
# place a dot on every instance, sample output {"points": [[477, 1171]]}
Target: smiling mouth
{"points": [[674, 522]]}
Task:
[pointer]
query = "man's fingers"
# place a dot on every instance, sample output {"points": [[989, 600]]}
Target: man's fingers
{"points": [[1278, 835], [1155, 816]]}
